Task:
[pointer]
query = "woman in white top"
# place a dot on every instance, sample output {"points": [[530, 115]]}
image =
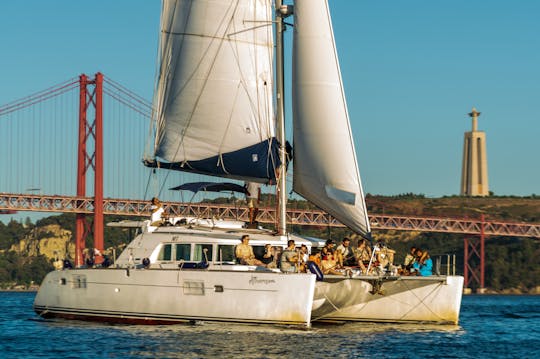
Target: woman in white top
{"points": [[157, 211]]}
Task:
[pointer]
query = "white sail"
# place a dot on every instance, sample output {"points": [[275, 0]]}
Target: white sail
{"points": [[325, 167], [214, 90]]}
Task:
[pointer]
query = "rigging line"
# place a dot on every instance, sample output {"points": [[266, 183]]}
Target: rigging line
{"points": [[255, 105], [211, 67], [421, 301], [161, 85], [220, 160], [332, 304]]}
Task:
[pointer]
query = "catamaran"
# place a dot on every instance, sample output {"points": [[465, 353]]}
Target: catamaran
{"points": [[219, 103]]}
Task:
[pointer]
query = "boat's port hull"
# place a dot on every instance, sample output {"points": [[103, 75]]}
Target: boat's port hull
{"points": [[161, 296]]}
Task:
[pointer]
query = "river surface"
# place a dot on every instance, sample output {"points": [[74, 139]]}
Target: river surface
{"points": [[490, 327]]}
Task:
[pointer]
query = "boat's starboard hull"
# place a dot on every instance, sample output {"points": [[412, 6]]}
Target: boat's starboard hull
{"points": [[392, 299]]}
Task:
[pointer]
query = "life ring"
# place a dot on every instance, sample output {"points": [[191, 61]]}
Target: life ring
{"points": [[314, 268]]}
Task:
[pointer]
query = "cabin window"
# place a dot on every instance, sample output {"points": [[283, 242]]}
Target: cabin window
{"points": [[79, 281], [198, 254], [225, 253], [165, 254], [192, 287], [183, 252], [258, 251]]}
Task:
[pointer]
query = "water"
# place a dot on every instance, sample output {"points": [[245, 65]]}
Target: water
{"points": [[490, 327]]}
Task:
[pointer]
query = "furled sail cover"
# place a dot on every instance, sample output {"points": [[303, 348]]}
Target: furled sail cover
{"points": [[214, 89], [325, 167]]}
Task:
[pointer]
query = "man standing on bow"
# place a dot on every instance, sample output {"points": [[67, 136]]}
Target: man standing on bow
{"points": [[253, 197]]}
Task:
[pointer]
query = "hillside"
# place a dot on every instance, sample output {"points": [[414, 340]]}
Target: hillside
{"points": [[511, 209]]}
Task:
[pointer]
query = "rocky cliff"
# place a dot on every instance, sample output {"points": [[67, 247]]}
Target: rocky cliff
{"points": [[51, 241]]}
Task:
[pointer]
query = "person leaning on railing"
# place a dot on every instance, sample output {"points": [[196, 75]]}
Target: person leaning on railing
{"points": [[423, 264]]}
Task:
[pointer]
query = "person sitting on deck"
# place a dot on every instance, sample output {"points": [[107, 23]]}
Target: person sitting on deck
{"points": [[327, 249], [345, 253], [268, 257], [385, 255], [289, 258], [157, 212], [410, 258], [424, 264], [363, 255], [303, 258], [329, 263], [244, 253]]}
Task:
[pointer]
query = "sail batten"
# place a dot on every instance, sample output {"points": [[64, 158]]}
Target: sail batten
{"points": [[214, 88], [325, 167]]}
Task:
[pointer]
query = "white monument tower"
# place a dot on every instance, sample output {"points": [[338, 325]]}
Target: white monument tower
{"points": [[474, 175]]}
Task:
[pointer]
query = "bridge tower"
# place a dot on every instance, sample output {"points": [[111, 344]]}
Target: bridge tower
{"points": [[473, 259], [90, 139], [474, 174]]}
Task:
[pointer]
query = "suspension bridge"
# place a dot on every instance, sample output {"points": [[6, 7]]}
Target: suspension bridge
{"points": [[54, 140]]}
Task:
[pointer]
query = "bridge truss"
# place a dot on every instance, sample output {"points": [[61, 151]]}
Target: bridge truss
{"points": [[141, 208]]}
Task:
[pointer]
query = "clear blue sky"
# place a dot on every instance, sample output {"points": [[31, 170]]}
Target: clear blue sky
{"points": [[412, 71]]}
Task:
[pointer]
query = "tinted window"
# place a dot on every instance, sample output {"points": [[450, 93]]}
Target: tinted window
{"points": [[165, 254], [258, 251], [198, 254], [225, 253], [183, 252]]}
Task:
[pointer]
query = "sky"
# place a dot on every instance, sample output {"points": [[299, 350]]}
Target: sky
{"points": [[412, 70]]}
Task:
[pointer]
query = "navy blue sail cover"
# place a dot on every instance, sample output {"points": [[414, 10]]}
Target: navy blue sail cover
{"points": [[256, 163]]}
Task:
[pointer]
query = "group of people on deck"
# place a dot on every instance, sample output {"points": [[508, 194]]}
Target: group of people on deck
{"points": [[290, 259], [340, 260], [417, 262]]}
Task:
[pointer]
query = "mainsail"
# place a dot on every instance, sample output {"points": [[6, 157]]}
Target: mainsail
{"points": [[325, 167], [215, 87]]}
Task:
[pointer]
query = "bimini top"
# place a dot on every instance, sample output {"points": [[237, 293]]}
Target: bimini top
{"points": [[210, 187]]}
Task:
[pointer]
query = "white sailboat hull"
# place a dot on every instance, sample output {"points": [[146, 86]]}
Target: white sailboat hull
{"points": [[161, 296], [435, 299]]}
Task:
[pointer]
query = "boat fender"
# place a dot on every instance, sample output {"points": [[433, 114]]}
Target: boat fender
{"points": [[146, 262], [314, 268]]}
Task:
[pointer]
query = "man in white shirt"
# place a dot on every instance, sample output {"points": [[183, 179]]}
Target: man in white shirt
{"points": [[346, 255]]}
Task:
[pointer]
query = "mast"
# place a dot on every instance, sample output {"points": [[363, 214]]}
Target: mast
{"points": [[282, 11]]}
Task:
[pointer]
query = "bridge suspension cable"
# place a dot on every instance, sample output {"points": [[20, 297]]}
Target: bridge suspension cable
{"points": [[40, 96]]}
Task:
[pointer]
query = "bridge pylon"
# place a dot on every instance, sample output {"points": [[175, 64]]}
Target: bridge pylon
{"points": [[90, 96], [473, 262]]}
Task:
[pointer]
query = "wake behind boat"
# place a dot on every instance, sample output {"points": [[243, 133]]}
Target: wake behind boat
{"points": [[220, 112]]}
